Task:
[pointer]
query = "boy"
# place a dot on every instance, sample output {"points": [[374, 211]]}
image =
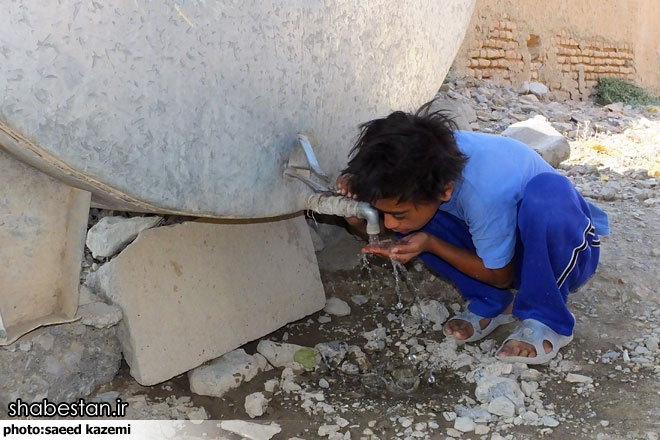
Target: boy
{"points": [[488, 213]]}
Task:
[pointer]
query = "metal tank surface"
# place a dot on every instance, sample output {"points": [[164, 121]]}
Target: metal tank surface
{"points": [[193, 107]]}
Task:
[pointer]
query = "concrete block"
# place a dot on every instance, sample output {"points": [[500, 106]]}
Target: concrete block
{"points": [[42, 237], [539, 134], [194, 291]]}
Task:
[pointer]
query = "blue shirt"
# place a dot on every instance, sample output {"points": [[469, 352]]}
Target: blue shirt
{"points": [[493, 183]]}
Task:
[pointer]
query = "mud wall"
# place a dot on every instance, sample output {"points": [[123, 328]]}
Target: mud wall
{"points": [[566, 44]]}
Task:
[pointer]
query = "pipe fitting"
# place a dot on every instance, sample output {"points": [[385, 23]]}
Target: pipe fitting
{"points": [[345, 207]]}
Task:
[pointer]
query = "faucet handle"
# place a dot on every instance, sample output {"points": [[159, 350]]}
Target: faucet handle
{"points": [[303, 165]]}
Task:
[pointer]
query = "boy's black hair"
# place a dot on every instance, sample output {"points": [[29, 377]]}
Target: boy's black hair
{"points": [[405, 156]]}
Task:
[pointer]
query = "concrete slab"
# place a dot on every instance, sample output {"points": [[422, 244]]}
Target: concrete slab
{"points": [[194, 291], [43, 224]]}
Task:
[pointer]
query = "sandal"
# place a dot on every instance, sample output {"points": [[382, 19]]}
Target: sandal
{"points": [[535, 332], [479, 333]]}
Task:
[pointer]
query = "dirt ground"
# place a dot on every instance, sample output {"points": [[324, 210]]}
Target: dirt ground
{"points": [[615, 350]]}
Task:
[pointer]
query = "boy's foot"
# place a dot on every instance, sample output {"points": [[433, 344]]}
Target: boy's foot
{"points": [[532, 342], [462, 330], [523, 349]]}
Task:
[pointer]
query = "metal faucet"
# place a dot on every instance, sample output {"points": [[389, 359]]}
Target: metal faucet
{"points": [[325, 200]]}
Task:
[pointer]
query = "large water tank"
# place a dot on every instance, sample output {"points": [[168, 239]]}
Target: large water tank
{"points": [[193, 106]]}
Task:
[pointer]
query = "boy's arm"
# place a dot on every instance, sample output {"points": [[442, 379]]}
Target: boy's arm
{"points": [[464, 260], [471, 264]]}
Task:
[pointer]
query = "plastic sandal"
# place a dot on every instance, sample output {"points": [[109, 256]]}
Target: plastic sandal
{"points": [[535, 332], [479, 333]]}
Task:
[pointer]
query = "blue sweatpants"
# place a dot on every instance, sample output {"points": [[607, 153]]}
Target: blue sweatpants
{"points": [[557, 250]]}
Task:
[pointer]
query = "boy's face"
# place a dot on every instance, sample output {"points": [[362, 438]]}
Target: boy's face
{"points": [[407, 217]]}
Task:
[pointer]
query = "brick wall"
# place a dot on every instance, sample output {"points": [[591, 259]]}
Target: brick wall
{"points": [[569, 65]]}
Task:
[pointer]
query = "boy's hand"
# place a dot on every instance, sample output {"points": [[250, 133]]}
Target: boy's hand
{"points": [[411, 246], [403, 250], [344, 187]]}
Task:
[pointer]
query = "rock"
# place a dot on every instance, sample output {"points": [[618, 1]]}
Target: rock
{"points": [[610, 191], [529, 387], [578, 378], [111, 234], [375, 338], [405, 422], [538, 89], [356, 355], [549, 421], [491, 387], [538, 134], [327, 430], [324, 383], [464, 424], [205, 291], [616, 107], [449, 416], [255, 405], [530, 98], [198, 414], [332, 352], [307, 357], [278, 354], [337, 307], [502, 406], [251, 431], [99, 314], [360, 299], [481, 429], [652, 343], [461, 112], [225, 373], [271, 385], [64, 363], [431, 310], [530, 417]]}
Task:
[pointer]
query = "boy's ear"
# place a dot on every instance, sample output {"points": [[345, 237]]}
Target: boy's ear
{"points": [[448, 191]]}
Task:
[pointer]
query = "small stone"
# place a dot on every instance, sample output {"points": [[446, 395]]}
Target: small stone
{"points": [[326, 430], [99, 315], [341, 422], [578, 378], [452, 432], [271, 385], [481, 429], [549, 421], [501, 406], [25, 346], [307, 357], [198, 414], [324, 383], [464, 424], [433, 425], [324, 319], [604, 423], [530, 417], [225, 373], [252, 431], [255, 404], [420, 426], [449, 416], [405, 422], [360, 299], [337, 307], [332, 352], [278, 354], [430, 310], [652, 343]]}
